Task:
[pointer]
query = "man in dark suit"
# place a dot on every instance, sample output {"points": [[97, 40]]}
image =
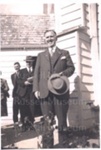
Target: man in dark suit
{"points": [[53, 60], [26, 88], [17, 106]]}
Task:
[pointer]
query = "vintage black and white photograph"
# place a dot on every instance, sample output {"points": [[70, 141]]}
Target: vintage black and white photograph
{"points": [[50, 74]]}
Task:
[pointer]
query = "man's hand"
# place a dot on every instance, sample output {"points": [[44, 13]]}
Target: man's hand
{"points": [[37, 94], [30, 79], [27, 83], [61, 73]]}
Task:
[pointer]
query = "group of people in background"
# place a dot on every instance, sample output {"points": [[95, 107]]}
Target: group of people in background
{"points": [[48, 82], [23, 98]]}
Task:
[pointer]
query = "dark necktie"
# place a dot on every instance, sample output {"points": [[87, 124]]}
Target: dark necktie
{"points": [[17, 73], [30, 72]]}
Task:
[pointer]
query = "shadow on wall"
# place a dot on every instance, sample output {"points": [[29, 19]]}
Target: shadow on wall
{"points": [[82, 112]]}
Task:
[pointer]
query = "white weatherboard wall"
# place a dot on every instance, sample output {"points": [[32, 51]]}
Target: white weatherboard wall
{"points": [[86, 79], [7, 60], [69, 15], [72, 15]]}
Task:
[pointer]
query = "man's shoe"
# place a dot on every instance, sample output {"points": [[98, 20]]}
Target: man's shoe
{"points": [[63, 129], [16, 124], [23, 129], [31, 128]]}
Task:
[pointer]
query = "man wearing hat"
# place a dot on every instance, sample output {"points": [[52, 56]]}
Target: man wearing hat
{"points": [[26, 92], [51, 84]]}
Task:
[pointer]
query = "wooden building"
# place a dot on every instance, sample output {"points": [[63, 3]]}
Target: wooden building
{"points": [[78, 29]]}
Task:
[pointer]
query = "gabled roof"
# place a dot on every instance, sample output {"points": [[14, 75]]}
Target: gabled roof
{"points": [[24, 29]]}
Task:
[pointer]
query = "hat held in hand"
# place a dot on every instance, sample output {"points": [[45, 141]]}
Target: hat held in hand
{"points": [[57, 84]]}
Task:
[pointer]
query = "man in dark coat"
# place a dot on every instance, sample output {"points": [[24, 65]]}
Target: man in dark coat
{"points": [[4, 96], [26, 88], [17, 103], [53, 60]]}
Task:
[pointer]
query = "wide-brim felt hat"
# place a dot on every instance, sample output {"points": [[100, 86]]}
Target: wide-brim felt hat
{"points": [[29, 58], [58, 84]]}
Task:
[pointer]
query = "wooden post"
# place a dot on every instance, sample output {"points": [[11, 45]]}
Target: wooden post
{"points": [[94, 49]]}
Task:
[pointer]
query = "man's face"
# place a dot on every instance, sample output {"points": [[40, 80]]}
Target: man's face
{"points": [[50, 38], [29, 64], [17, 67]]}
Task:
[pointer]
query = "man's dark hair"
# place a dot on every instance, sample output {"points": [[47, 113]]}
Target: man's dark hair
{"points": [[50, 31], [17, 63]]}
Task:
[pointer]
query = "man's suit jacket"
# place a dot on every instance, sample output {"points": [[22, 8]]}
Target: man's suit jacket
{"points": [[25, 89], [62, 62], [15, 81]]}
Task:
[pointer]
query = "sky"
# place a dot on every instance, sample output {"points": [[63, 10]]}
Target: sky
{"points": [[48, 1], [23, 7], [34, 6]]}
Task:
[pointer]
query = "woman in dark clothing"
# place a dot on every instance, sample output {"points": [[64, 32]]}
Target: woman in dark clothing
{"points": [[4, 96]]}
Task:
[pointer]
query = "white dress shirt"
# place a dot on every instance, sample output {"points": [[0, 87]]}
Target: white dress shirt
{"points": [[52, 50], [29, 69]]}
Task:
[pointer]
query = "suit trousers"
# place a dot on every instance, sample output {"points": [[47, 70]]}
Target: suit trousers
{"points": [[4, 107], [28, 107], [17, 107], [58, 105]]}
